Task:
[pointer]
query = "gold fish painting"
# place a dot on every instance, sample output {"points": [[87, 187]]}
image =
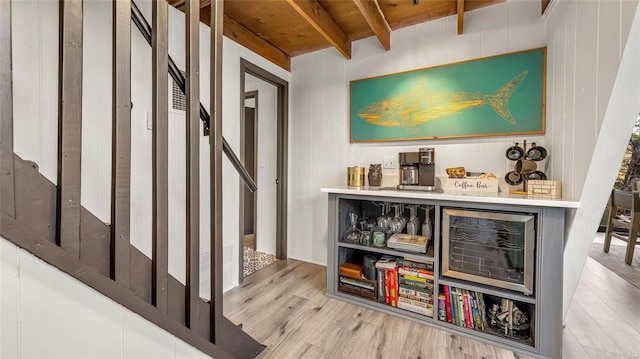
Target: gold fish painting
{"points": [[461, 100], [418, 106]]}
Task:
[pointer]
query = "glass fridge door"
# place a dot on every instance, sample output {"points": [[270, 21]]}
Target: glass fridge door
{"points": [[491, 248]]}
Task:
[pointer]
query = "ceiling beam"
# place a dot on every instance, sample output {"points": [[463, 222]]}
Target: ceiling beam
{"points": [[181, 4], [375, 18], [460, 16], [245, 37], [317, 17]]}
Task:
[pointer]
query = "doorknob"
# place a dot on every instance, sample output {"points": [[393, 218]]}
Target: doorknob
{"points": [[277, 181]]}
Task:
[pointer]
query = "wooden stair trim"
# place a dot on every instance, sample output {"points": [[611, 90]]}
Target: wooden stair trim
{"points": [[24, 237], [33, 229]]}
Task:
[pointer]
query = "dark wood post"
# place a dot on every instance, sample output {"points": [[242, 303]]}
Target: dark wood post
{"points": [[192, 42], [69, 126], [7, 173], [121, 145], [160, 154], [215, 150]]}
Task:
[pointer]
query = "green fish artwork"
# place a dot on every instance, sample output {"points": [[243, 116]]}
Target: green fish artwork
{"points": [[502, 95]]}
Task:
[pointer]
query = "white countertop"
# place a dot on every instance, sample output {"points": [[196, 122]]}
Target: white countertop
{"points": [[497, 198]]}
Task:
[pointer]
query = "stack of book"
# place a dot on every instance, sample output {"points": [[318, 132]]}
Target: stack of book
{"points": [[415, 286], [352, 281], [387, 275], [408, 243], [464, 308]]}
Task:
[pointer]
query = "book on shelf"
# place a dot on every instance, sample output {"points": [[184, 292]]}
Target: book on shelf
{"points": [[447, 302], [464, 308], [362, 283], [418, 273], [415, 306], [381, 289], [424, 264], [393, 287], [415, 293], [416, 298], [386, 262], [467, 308], [359, 291], [416, 284], [351, 269]]}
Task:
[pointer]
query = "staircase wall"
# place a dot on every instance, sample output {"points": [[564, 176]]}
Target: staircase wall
{"points": [[35, 46], [45, 313]]}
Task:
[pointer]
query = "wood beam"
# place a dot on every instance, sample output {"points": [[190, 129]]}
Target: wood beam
{"points": [[250, 40], [375, 18], [317, 17], [460, 16]]}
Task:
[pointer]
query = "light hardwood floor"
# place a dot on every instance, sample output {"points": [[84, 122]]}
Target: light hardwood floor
{"points": [[284, 307]]}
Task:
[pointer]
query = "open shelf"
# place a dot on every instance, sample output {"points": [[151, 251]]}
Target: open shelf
{"points": [[544, 321], [392, 252]]}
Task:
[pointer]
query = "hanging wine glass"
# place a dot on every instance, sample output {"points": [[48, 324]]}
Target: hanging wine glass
{"points": [[383, 220], [426, 226], [414, 222], [352, 234], [396, 224], [402, 216]]}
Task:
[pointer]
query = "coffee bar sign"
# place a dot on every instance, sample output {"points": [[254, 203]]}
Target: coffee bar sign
{"points": [[468, 185]]}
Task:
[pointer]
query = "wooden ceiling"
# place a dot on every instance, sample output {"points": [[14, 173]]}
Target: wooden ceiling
{"points": [[280, 29]]}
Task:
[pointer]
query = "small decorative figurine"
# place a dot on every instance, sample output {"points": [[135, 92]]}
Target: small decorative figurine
{"points": [[375, 174]]}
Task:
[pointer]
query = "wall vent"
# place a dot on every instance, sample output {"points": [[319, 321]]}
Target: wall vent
{"points": [[179, 99]]}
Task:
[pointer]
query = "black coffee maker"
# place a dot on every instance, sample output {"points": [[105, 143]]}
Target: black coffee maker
{"points": [[417, 170]]}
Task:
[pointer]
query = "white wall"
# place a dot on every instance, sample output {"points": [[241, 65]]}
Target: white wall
{"points": [[35, 46], [590, 124], [45, 313], [320, 148], [267, 163], [35, 112]]}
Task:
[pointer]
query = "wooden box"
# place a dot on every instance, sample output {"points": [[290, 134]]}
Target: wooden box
{"points": [[468, 185], [544, 189]]}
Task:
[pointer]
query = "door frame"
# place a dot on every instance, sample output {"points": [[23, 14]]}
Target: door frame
{"points": [[243, 154], [282, 153]]}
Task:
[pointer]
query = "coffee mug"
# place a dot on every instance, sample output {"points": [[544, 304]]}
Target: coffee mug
{"points": [[378, 239], [525, 166], [365, 238]]}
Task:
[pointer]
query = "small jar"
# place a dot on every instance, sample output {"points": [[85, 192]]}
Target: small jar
{"points": [[355, 176]]}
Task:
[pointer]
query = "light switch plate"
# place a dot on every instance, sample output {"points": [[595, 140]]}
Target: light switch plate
{"points": [[389, 162]]}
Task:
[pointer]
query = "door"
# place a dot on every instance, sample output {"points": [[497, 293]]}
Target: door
{"points": [[249, 148], [270, 131]]}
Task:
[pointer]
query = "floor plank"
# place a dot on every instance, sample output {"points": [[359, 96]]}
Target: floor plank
{"points": [[287, 310], [284, 307]]}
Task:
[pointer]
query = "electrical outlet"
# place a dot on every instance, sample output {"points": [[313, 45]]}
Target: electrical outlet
{"points": [[389, 162]]}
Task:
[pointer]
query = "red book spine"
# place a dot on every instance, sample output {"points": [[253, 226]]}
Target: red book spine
{"points": [[393, 287], [447, 300], [466, 310], [387, 298]]}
